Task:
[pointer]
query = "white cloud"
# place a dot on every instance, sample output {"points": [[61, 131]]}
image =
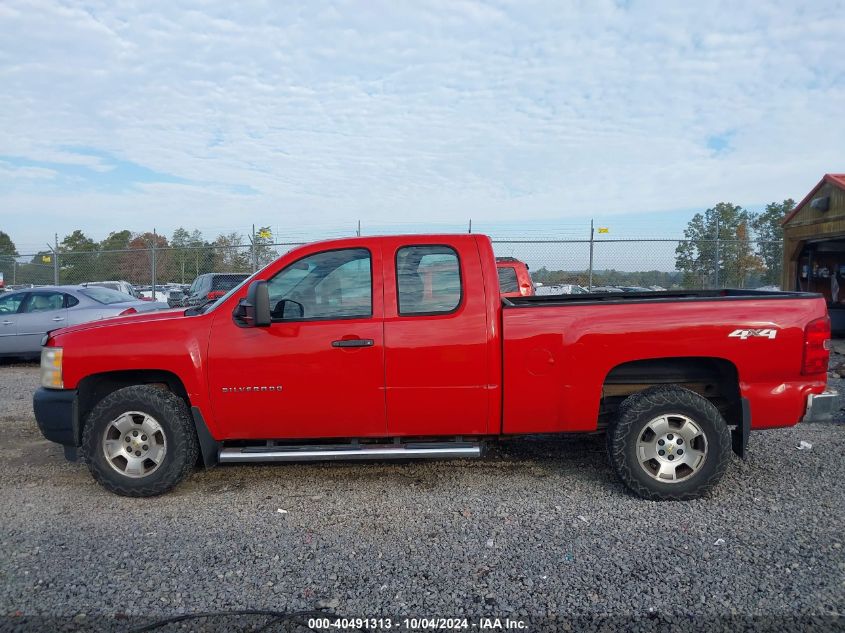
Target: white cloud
{"points": [[11, 174], [418, 111]]}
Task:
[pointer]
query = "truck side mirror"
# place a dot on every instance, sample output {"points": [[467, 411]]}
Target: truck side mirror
{"points": [[254, 309]]}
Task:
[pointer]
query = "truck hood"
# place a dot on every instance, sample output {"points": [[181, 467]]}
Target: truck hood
{"points": [[131, 319]]}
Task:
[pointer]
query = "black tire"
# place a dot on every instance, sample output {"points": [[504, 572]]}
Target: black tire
{"points": [[631, 426], [170, 413]]}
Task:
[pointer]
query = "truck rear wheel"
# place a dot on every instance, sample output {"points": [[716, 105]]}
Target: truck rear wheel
{"points": [[669, 443], [139, 441]]}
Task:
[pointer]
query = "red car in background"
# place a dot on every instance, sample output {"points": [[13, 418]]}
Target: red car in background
{"points": [[514, 278]]}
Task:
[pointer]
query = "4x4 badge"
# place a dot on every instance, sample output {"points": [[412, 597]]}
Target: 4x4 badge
{"points": [[746, 334]]}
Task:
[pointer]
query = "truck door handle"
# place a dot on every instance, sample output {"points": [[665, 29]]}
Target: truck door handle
{"points": [[58, 318], [7, 322], [353, 342]]}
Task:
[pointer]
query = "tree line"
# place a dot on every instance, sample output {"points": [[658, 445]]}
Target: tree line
{"points": [[127, 255], [726, 246], [608, 277]]}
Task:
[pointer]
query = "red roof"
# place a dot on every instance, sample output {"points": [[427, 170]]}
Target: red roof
{"points": [[834, 179]]}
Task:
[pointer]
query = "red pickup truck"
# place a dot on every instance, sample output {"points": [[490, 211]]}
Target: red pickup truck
{"points": [[514, 278], [401, 347]]}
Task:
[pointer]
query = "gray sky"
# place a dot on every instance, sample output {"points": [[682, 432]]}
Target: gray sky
{"points": [[309, 116]]}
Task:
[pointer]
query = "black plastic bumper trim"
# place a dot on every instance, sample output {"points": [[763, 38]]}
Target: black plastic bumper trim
{"points": [[57, 415]]}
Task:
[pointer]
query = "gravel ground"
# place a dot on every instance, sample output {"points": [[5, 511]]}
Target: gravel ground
{"points": [[539, 531]]}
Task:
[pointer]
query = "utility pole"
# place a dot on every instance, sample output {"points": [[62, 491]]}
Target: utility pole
{"points": [[358, 232], [55, 252], [470, 225], [254, 250], [155, 237], [717, 251], [590, 286]]}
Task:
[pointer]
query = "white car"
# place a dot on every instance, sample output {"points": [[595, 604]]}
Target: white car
{"points": [[561, 289], [121, 286]]}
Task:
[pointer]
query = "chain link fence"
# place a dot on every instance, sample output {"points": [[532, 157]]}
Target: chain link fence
{"points": [[667, 263], [664, 263]]}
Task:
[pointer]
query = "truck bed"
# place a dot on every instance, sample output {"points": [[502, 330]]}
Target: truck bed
{"points": [[565, 354], [652, 297]]}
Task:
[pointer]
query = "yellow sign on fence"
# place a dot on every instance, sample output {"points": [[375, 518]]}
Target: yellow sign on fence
{"points": [[604, 229], [46, 259]]}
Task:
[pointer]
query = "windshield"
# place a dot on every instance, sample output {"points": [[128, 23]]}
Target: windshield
{"points": [[226, 282], [507, 280], [105, 295], [105, 284], [196, 283]]}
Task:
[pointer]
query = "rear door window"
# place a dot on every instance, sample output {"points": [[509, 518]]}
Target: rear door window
{"points": [[428, 280], [43, 302]]}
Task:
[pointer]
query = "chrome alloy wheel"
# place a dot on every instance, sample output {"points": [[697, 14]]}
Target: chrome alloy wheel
{"points": [[671, 448], [134, 444]]}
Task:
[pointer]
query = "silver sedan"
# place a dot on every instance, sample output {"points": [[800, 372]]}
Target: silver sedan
{"points": [[26, 315]]}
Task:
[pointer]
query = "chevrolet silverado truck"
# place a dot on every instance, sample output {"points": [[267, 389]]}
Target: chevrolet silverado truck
{"points": [[402, 347]]}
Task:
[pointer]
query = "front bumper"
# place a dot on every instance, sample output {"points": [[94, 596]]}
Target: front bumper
{"points": [[821, 406], [57, 417]]}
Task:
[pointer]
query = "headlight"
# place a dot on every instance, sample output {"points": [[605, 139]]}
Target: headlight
{"points": [[51, 368]]}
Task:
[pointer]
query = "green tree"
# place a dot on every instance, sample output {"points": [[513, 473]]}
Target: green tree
{"points": [[110, 253], [717, 250], [77, 242], [264, 253], [38, 270], [769, 232], [8, 253], [78, 258], [203, 254], [191, 255], [180, 242], [646, 278], [230, 256], [116, 241]]}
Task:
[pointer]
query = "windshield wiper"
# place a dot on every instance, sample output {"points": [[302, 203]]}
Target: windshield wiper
{"points": [[199, 309]]}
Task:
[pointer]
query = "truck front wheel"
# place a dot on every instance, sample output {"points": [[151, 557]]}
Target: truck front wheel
{"points": [[139, 441], [669, 443]]}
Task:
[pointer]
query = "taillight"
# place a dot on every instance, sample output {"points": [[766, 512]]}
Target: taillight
{"points": [[128, 311], [816, 346]]}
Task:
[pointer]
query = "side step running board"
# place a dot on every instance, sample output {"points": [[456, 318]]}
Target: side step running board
{"points": [[349, 451]]}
